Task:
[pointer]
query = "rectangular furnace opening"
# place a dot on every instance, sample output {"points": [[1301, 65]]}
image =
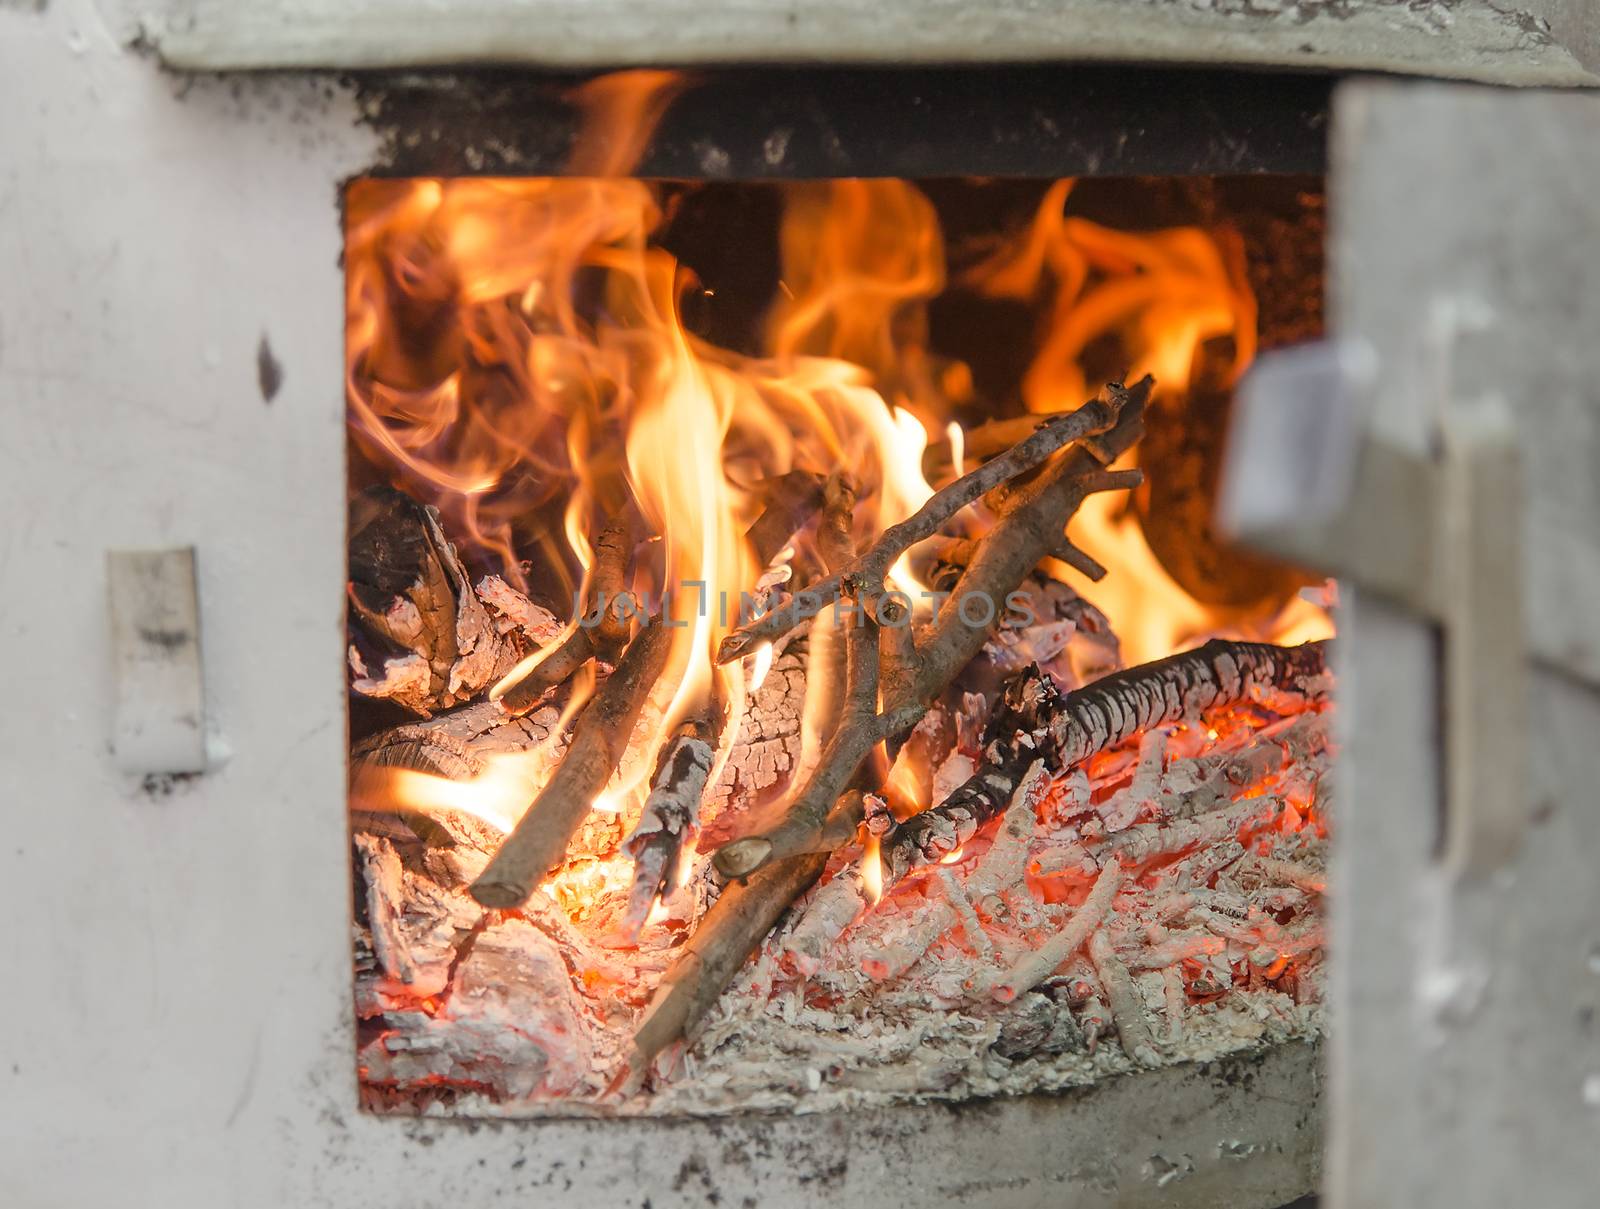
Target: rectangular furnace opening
{"points": [[792, 663]]}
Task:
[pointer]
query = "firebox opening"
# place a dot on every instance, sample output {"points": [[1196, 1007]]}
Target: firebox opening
{"points": [[791, 660]]}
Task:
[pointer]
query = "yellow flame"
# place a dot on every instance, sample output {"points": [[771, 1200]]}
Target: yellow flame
{"points": [[524, 667], [497, 796], [871, 871], [500, 795], [957, 437], [760, 665]]}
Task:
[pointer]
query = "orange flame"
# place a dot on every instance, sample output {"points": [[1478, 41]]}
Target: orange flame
{"points": [[479, 380], [1162, 295], [871, 871], [517, 355]]}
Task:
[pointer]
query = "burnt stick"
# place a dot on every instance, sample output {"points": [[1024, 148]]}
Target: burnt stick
{"points": [[591, 636], [599, 741], [671, 813], [1095, 416], [1066, 729]]}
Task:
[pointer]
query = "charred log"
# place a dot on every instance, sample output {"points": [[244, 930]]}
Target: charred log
{"points": [[420, 635], [1037, 720], [671, 814]]}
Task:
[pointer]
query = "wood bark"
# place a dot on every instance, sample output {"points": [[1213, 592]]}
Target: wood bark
{"points": [[731, 930], [1037, 720], [861, 728], [601, 631]]}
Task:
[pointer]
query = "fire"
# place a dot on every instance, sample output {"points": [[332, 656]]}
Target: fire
{"points": [[1163, 292], [871, 871], [518, 355], [496, 797], [1163, 295], [760, 665]]}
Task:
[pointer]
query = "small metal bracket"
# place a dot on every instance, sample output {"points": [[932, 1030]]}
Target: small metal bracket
{"points": [[1439, 534], [158, 701]]}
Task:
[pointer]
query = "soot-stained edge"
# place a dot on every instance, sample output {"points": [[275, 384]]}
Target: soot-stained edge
{"points": [[798, 123]]}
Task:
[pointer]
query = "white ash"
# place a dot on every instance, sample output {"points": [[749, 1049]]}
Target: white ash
{"points": [[530, 1014]]}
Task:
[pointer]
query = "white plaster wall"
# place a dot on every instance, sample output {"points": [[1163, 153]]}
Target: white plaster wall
{"points": [[177, 1017], [148, 240]]}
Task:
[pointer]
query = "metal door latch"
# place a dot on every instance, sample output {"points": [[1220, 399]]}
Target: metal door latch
{"points": [[158, 698], [1440, 534]]}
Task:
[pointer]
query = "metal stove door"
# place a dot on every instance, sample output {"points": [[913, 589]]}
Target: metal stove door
{"points": [[1466, 944]]}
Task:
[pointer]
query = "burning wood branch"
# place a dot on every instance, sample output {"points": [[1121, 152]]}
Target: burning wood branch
{"points": [[1037, 720], [671, 814], [600, 633], [872, 566], [707, 962], [599, 741]]}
